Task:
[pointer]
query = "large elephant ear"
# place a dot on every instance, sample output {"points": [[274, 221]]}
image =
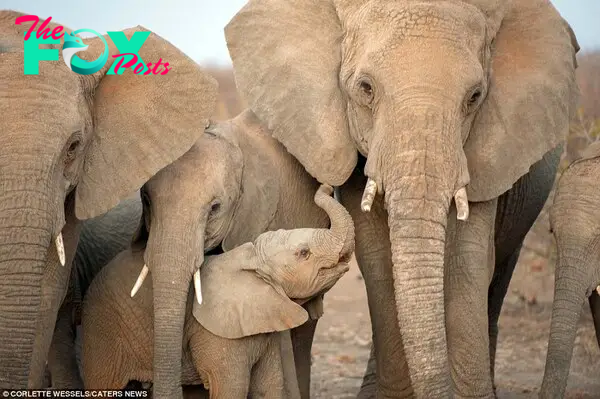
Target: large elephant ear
{"points": [[141, 123], [259, 197], [286, 57], [238, 302], [532, 96]]}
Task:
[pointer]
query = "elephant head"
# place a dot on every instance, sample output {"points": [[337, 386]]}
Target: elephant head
{"points": [[575, 223], [258, 287], [71, 147], [443, 98]]}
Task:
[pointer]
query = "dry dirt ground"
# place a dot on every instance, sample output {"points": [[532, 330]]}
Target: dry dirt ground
{"points": [[342, 341]]}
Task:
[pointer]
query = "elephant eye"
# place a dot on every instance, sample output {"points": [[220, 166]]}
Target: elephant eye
{"points": [[473, 99], [344, 259], [72, 150], [215, 207], [367, 88], [303, 253]]}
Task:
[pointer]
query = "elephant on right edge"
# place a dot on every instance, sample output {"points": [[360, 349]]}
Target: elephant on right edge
{"points": [[575, 222], [426, 113], [234, 341]]}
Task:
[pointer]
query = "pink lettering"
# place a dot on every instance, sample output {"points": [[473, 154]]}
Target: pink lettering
{"points": [[138, 68], [27, 18], [129, 64], [148, 71], [167, 69], [42, 30], [56, 31], [156, 65]]}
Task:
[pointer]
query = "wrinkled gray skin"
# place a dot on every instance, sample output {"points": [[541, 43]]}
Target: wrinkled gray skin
{"points": [[231, 341], [435, 96], [72, 147], [101, 239], [575, 222]]}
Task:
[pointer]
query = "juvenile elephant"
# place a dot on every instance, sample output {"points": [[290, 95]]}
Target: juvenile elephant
{"points": [[575, 222], [230, 344], [417, 103], [235, 183], [71, 147]]}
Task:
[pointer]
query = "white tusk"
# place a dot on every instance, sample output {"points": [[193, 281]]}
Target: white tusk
{"points": [[462, 204], [60, 248], [368, 195], [598, 289], [140, 280], [197, 287]]}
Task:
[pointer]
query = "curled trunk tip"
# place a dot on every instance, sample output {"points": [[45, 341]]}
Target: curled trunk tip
{"points": [[342, 226]]}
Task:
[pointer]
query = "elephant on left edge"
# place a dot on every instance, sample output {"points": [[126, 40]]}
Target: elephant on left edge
{"points": [[71, 148]]}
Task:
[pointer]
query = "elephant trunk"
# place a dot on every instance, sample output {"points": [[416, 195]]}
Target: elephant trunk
{"points": [[173, 254], [421, 174], [572, 280], [26, 233], [342, 226]]}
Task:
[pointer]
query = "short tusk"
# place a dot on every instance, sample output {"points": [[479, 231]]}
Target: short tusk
{"points": [[60, 248], [197, 287], [368, 195], [598, 289], [140, 280], [462, 204]]}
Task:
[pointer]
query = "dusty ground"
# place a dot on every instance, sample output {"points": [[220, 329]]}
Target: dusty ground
{"points": [[342, 342]]}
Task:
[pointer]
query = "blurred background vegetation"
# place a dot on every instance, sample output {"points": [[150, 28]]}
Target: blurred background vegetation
{"points": [[538, 254]]}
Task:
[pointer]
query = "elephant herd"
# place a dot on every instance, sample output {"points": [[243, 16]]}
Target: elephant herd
{"points": [[190, 252]]}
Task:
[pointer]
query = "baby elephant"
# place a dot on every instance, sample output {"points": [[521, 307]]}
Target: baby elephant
{"points": [[233, 341], [575, 221]]}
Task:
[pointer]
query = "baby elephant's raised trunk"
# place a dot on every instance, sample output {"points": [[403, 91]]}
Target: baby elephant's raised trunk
{"points": [[342, 227]]}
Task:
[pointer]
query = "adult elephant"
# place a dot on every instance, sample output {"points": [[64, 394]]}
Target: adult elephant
{"points": [[71, 147], [441, 99]]}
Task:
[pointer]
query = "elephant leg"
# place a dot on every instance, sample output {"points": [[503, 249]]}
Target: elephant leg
{"points": [[290, 377], [302, 340], [595, 308], [62, 359], [374, 257], [469, 269], [368, 388], [268, 380], [497, 291]]}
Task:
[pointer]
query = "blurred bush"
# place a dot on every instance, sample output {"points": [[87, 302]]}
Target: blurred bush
{"points": [[229, 102]]}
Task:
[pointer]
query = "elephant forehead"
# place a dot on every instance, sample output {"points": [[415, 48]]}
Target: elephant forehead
{"points": [[51, 97], [397, 19], [208, 161]]}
